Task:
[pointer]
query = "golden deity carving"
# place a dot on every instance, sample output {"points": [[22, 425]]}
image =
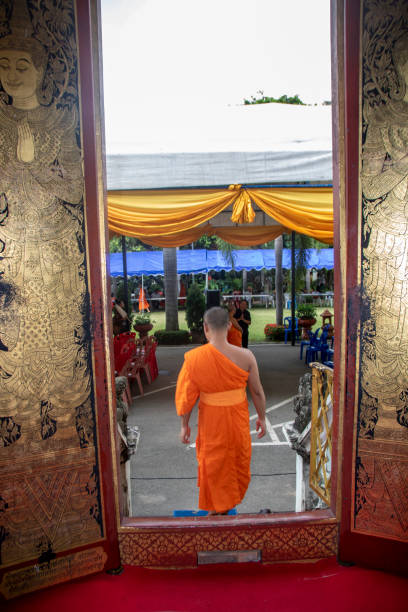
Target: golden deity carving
{"points": [[46, 398], [381, 505]]}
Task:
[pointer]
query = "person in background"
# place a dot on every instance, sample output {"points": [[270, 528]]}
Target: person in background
{"points": [[234, 335], [243, 316]]}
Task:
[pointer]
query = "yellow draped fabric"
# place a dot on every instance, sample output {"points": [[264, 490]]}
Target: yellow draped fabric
{"points": [[177, 217], [305, 210], [242, 236]]}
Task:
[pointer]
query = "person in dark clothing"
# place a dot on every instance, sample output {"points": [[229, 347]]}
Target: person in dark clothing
{"points": [[243, 317]]}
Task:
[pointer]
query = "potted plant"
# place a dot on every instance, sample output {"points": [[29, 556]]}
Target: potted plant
{"points": [[142, 323], [306, 314], [195, 308]]}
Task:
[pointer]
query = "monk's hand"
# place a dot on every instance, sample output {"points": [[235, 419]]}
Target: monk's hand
{"points": [[185, 434], [261, 428]]}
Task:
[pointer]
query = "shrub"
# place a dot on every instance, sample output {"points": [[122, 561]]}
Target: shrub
{"points": [[181, 336], [274, 332], [195, 307]]}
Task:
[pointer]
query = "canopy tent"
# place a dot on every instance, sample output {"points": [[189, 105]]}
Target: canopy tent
{"points": [[201, 261], [253, 144], [271, 143]]}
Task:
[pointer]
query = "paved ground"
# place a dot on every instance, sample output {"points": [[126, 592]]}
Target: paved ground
{"points": [[163, 470]]}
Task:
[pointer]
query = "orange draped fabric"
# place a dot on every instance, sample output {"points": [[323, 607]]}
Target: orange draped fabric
{"points": [[223, 444], [234, 336], [170, 218], [242, 236]]}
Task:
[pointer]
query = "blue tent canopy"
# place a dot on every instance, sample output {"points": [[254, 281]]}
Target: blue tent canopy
{"points": [[202, 260]]}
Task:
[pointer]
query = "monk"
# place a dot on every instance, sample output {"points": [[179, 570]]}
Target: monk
{"points": [[234, 335], [217, 374], [143, 303]]}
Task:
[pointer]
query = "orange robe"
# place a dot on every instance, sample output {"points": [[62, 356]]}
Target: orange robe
{"points": [[223, 444], [143, 303], [234, 336]]}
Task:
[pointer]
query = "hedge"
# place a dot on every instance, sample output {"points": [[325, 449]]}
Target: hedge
{"points": [[181, 336]]}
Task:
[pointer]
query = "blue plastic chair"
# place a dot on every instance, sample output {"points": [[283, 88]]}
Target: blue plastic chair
{"points": [[324, 346], [304, 343], [318, 345], [312, 352], [287, 321]]}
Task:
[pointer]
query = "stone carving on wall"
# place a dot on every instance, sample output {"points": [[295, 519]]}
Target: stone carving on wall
{"points": [[381, 487], [49, 477]]}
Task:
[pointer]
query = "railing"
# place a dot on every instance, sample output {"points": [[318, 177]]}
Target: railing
{"points": [[321, 431]]}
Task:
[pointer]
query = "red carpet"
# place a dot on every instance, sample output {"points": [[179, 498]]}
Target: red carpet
{"points": [[303, 587]]}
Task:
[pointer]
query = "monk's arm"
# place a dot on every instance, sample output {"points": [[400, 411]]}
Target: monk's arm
{"points": [[186, 396], [258, 395], [185, 430]]}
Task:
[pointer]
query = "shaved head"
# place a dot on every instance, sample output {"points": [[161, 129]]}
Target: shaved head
{"points": [[216, 318]]}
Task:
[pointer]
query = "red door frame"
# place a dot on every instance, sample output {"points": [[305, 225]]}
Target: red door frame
{"points": [[89, 50], [174, 542]]}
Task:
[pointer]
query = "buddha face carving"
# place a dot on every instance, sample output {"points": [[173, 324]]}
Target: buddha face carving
{"points": [[18, 75]]}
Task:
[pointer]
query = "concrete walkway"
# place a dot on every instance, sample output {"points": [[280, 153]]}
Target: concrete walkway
{"points": [[164, 471]]}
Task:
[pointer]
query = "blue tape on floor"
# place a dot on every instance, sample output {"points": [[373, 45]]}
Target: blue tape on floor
{"points": [[232, 512]]}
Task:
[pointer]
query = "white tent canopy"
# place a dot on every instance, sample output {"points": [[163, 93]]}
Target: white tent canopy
{"points": [[252, 144]]}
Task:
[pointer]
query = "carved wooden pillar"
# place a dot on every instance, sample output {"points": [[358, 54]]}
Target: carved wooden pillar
{"points": [[57, 499]]}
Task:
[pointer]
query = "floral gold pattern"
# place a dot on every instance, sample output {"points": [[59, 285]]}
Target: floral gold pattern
{"points": [[179, 548]]}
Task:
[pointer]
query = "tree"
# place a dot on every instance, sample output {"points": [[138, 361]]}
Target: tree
{"points": [[262, 99], [171, 288], [279, 279], [132, 244], [227, 250]]}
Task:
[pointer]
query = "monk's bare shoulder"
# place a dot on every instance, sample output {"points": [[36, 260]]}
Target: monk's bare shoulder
{"points": [[243, 357]]}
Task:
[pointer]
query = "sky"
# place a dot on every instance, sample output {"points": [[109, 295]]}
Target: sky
{"points": [[180, 58]]}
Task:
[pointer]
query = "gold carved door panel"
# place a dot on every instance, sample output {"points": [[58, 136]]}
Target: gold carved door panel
{"points": [[377, 514], [51, 494]]}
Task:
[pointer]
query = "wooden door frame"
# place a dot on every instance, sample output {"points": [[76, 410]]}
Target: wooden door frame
{"points": [[175, 542]]}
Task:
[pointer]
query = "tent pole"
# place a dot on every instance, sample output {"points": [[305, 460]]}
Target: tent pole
{"points": [[125, 277], [293, 292], [192, 248]]}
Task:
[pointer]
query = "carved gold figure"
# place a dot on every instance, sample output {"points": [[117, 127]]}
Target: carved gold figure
{"points": [[381, 497], [43, 364], [49, 474], [385, 189]]}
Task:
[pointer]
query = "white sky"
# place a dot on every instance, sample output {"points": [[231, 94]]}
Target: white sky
{"points": [[174, 57]]}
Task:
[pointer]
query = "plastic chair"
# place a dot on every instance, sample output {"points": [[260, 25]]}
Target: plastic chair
{"points": [[287, 322], [318, 345], [304, 343], [324, 346], [312, 351]]}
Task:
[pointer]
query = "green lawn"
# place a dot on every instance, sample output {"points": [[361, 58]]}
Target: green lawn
{"points": [[260, 317]]}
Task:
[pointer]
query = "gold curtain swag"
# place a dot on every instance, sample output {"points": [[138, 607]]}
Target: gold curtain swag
{"points": [[242, 236], [178, 217]]}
